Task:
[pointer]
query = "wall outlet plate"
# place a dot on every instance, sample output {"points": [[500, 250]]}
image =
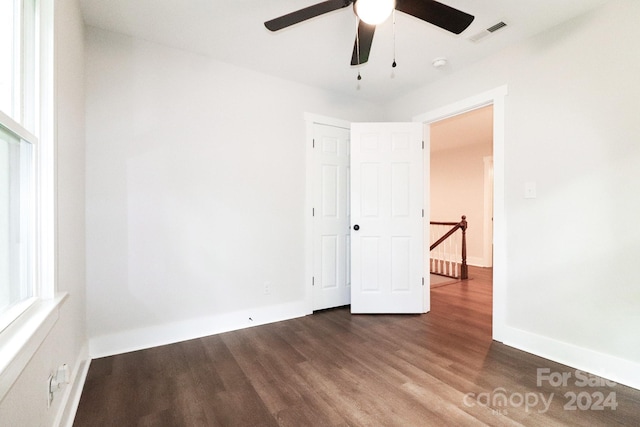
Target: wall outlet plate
{"points": [[530, 191], [49, 391]]}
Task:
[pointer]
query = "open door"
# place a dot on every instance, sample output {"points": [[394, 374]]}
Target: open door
{"points": [[331, 238], [387, 230]]}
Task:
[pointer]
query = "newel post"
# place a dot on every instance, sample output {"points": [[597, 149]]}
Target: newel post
{"points": [[464, 271]]}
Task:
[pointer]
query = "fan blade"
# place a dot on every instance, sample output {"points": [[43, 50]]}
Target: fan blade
{"points": [[306, 13], [365, 37], [438, 14]]}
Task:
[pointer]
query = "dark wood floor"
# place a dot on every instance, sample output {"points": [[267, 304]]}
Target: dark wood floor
{"points": [[338, 369]]}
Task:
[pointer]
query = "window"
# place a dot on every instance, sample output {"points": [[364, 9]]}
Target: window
{"points": [[16, 224], [18, 45], [9, 44], [29, 305], [19, 158]]}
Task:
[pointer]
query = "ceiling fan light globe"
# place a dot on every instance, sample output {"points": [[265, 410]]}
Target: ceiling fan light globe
{"points": [[374, 12]]}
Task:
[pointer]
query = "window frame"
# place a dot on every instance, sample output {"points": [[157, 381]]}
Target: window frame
{"points": [[27, 257], [23, 123], [36, 316]]}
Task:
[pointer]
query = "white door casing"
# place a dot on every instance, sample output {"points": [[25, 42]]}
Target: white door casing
{"points": [[331, 239], [496, 97], [387, 185], [487, 226]]}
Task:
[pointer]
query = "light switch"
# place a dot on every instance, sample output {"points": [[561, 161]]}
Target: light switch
{"points": [[530, 190]]}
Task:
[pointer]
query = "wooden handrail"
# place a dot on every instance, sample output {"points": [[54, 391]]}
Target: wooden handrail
{"points": [[462, 225], [456, 225], [443, 223]]}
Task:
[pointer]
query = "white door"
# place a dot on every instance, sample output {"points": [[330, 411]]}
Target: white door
{"points": [[387, 192], [331, 245]]}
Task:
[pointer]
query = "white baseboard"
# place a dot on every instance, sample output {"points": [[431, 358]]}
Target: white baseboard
{"points": [[476, 261], [606, 366], [73, 390], [169, 333]]}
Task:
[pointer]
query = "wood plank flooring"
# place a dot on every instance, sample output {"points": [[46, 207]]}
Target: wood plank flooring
{"points": [[338, 369]]}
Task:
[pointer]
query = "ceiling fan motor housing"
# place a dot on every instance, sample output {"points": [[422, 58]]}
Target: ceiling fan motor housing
{"points": [[373, 12]]}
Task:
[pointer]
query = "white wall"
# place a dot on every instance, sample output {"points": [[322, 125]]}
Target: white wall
{"points": [[66, 343], [572, 127], [195, 192]]}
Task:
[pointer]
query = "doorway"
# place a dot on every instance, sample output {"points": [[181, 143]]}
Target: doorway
{"points": [[461, 178], [495, 98]]}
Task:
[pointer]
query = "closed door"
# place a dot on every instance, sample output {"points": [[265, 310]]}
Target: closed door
{"points": [[387, 193], [331, 239]]}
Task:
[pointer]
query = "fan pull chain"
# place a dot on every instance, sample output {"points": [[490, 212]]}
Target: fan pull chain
{"points": [[394, 38], [358, 45]]}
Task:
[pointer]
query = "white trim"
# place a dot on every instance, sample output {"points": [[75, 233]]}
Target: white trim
{"points": [[169, 333], [14, 311], [476, 262], [426, 219], [324, 120], [45, 156], [462, 106], [16, 129], [23, 337], [29, 100], [613, 368], [308, 218], [487, 208], [73, 391], [493, 97]]}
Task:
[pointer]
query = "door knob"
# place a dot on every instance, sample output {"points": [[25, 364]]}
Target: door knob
{"points": [[356, 227]]}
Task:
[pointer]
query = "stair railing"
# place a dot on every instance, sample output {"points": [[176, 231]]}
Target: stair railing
{"points": [[444, 261]]}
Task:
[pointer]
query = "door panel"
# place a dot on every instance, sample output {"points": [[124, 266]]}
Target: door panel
{"points": [[400, 264], [331, 242], [370, 256], [387, 187], [369, 190]]}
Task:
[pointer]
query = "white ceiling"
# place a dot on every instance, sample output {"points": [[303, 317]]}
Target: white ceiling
{"points": [[317, 52]]}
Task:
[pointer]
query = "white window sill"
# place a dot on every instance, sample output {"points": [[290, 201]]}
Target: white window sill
{"points": [[22, 338]]}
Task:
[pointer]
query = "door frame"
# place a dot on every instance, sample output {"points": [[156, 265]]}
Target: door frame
{"points": [[495, 97], [487, 227], [311, 120]]}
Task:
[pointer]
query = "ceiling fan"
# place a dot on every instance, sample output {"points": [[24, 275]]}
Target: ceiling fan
{"points": [[441, 15]]}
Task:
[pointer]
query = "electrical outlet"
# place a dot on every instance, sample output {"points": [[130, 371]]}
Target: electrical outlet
{"points": [[530, 190], [57, 381], [267, 288], [49, 391]]}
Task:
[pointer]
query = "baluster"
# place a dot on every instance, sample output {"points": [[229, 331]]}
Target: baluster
{"points": [[449, 270], [454, 255], [442, 258], [431, 240], [445, 265], [437, 255]]}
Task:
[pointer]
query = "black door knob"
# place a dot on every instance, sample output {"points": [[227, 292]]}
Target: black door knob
{"points": [[356, 227]]}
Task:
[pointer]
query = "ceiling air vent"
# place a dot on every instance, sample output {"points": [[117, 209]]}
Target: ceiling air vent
{"points": [[485, 33], [494, 28]]}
